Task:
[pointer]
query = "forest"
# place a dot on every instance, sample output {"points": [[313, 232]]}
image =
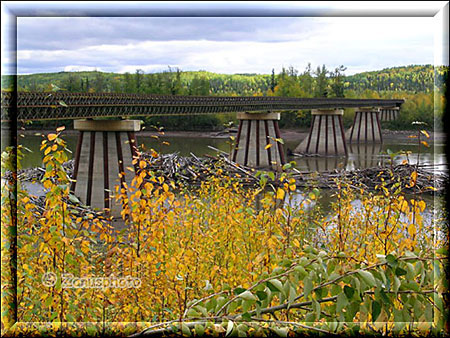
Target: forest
{"points": [[417, 84]]}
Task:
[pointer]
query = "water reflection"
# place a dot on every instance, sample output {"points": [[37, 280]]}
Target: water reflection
{"points": [[365, 155], [320, 164]]}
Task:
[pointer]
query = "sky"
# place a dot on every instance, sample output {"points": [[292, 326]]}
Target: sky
{"points": [[221, 44]]}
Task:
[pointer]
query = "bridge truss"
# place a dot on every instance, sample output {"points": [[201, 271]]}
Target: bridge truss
{"points": [[31, 106]]}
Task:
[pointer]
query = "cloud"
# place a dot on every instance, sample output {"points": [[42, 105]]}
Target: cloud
{"points": [[226, 45], [52, 33]]}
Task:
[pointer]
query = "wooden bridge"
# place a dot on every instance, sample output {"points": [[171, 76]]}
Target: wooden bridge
{"points": [[106, 147]]}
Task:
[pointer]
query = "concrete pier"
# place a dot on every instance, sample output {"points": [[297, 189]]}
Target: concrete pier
{"points": [[366, 126], [105, 148], [255, 133], [326, 134], [389, 114]]}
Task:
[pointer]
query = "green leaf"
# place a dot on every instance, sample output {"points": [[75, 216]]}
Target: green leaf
{"points": [[185, 329], [400, 272], [202, 310], [199, 330], [287, 166], [261, 295], [442, 251], [310, 317], [242, 327], [335, 290], [308, 286], [396, 285], [392, 261], [192, 313], [341, 302], [376, 310], [220, 302], [349, 291], [229, 328], [74, 199], [367, 278], [292, 295], [239, 290], [275, 285], [301, 272], [316, 309], [409, 271], [246, 305], [211, 304], [281, 332]]}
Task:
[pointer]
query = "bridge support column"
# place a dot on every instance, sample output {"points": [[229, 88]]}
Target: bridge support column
{"points": [[256, 131], [366, 126], [105, 148], [389, 114], [326, 134]]}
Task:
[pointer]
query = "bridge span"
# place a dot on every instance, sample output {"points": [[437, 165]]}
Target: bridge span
{"points": [[106, 147], [32, 106]]}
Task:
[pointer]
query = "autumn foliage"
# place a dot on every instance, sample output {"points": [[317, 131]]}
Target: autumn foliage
{"points": [[227, 259]]}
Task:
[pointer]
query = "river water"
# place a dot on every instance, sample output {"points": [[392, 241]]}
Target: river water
{"points": [[360, 156]]}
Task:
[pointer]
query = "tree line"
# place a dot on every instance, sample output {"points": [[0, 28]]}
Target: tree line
{"points": [[416, 83]]}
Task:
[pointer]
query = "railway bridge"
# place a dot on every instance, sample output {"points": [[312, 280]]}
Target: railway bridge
{"points": [[107, 146]]}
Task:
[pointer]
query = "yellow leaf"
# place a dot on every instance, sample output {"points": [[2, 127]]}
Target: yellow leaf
{"points": [[404, 207], [47, 151], [165, 187], [424, 143], [59, 129], [268, 146], [425, 133], [422, 205], [51, 137], [280, 193], [413, 179], [412, 230]]}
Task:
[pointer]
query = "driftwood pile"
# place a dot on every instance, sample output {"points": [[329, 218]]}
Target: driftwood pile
{"points": [[193, 170], [426, 181]]}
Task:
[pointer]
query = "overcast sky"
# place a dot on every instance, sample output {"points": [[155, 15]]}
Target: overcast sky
{"points": [[221, 44]]}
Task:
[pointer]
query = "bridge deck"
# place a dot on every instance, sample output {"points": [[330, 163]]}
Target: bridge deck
{"points": [[60, 105]]}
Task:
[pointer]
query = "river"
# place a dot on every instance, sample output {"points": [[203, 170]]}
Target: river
{"points": [[360, 156]]}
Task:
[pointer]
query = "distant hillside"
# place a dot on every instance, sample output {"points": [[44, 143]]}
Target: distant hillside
{"points": [[414, 78]]}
